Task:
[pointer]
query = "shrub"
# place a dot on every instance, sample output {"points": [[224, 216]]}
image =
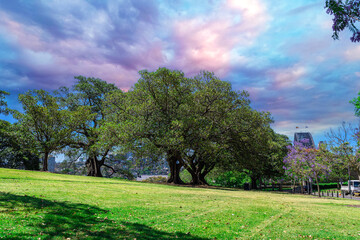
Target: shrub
{"points": [[157, 179], [231, 179], [326, 186]]}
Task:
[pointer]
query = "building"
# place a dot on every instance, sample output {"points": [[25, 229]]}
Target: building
{"points": [[51, 164], [306, 138]]}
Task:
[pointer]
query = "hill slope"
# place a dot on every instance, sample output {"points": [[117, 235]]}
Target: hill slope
{"points": [[52, 206]]}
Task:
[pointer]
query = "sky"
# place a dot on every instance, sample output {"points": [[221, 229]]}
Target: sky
{"points": [[280, 51]]}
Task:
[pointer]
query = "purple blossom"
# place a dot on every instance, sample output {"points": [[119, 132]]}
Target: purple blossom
{"points": [[345, 16]]}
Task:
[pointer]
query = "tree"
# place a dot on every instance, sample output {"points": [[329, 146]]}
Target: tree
{"points": [[150, 116], [344, 143], [3, 103], [86, 101], [196, 123], [186, 119], [356, 103], [346, 15], [255, 147], [303, 163], [12, 151], [206, 120], [44, 124]]}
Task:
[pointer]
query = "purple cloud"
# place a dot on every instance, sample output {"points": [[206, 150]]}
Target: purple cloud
{"points": [[283, 54]]}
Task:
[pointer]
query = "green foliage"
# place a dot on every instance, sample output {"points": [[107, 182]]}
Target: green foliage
{"points": [[255, 147], [44, 125], [86, 100], [356, 103], [185, 176], [12, 152], [3, 103], [232, 179], [196, 123], [327, 186]]}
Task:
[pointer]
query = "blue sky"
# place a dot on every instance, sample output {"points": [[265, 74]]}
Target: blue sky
{"points": [[280, 51]]}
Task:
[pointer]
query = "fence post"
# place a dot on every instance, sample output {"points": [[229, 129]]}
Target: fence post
{"points": [[337, 194], [332, 193], [342, 193]]}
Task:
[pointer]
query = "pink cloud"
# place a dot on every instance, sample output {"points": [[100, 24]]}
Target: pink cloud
{"points": [[16, 32], [352, 54], [208, 42], [42, 56], [289, 77]]}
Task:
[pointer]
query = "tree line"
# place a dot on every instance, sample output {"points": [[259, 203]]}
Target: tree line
{"points": [[196, 124]]}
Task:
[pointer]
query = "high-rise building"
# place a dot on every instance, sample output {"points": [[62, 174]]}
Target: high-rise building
{"points": [[305, 138]]}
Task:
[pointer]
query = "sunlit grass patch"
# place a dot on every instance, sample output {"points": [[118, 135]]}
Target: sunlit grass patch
{"points": [[52, 206]]}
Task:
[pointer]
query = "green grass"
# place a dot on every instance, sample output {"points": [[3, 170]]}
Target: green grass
{"points": [[35, 205]]}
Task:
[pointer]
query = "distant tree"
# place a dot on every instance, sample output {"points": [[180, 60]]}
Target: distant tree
{"points": [[13, 154], [345, 145], [86, 100], [43, 124], [3, 103], [346, 15], [303, 163]]}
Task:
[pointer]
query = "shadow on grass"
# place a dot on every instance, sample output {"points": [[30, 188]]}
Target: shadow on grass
{"points": [[32, 218]]}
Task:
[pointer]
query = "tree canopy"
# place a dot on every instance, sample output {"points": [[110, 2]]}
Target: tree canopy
{"points": [[85, 100], [43, 123], [195, 124], [3, 103]]}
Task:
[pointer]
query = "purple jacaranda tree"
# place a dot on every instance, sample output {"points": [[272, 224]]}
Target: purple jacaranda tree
{"points": [[303, 163], [346, 15]]}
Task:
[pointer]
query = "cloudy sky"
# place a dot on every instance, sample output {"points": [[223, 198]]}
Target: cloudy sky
{"points": [[280, 51]]}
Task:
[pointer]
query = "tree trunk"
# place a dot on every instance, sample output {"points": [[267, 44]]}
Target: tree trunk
{"points": [[318, 186], [198, 178], [175, 165], [202, 178], [253, 182], [45, 162], [197, 174], [93, 167]]}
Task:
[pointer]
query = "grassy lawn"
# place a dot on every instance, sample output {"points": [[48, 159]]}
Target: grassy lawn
{"points": [[36, 205]]}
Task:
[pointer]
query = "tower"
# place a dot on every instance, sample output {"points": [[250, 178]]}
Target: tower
{"points": [[300, 136]]}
